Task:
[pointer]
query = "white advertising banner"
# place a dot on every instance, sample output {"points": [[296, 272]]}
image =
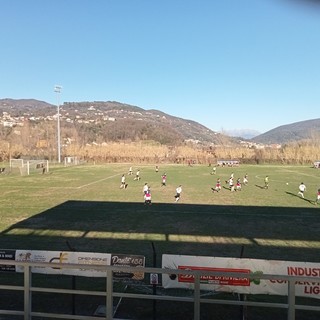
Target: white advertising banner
{"points": [[87, 258], [248, 267], [55, 257]]}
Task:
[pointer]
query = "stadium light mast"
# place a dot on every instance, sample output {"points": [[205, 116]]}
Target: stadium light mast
{"points": [[57, 90]]}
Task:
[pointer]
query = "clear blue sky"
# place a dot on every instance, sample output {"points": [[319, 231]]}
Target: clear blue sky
{"points": [[231, 64]]}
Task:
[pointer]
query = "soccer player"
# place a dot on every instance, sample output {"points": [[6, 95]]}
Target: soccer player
{"points": [[164, 180], [214, 170], [245, 179], [266, 182], [137, 177], [238, 185], [318, 197], [217, 187], [145, 188], [302, 189], [147, 197], [178, 193], [231, 184], [123, 182]]}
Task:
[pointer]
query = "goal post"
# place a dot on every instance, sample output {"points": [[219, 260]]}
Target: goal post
{"points": [[35, 166], [71, 161], [27, 167], [16, 163]]}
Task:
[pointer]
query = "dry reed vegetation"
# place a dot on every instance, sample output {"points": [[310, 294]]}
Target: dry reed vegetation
{"points": [[153, 152], [156, 153]]}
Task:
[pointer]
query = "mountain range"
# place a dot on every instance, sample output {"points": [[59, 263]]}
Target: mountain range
{"points": [[297, 131], [115, 120], [243, 133]]}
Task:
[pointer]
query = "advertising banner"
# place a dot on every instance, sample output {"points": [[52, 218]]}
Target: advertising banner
{"points": [[248, 267], [67, 257], [7, 255], [55, 257], [128, 261]]}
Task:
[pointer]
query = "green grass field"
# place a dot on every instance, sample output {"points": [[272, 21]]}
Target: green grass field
{"points": [[84, 207]]}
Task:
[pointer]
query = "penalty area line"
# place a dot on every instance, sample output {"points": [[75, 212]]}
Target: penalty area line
{"points": [[97, 181]]}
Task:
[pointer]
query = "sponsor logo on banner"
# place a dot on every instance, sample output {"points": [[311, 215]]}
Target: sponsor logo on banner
{"points": [[215, 279], [58, 257], [7, 255], [128, 261]]}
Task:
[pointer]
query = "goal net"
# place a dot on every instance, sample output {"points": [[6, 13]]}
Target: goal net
{"points": [[16, 163], [71, 161], [34, 166]]}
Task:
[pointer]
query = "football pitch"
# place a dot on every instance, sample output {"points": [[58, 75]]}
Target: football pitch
{"points": [[85, 208]]}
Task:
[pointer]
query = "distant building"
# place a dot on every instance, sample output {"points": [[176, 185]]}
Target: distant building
{"points": [[228, 163], [316, 164], [42, 144], [8, 124]]}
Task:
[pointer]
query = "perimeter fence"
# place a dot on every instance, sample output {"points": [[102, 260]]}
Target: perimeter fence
{"points": [[109, 294]]}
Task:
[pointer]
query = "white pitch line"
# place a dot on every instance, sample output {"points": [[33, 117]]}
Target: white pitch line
{"points": [[59, 187], [312, 184], [97, 181], [51, 187], [302, 174]]}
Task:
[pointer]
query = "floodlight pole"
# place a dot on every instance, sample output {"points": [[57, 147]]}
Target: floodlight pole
{"points": [[57, 90]]}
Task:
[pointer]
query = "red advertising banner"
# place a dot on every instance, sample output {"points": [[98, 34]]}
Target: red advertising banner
{"points": [[215, 279]]}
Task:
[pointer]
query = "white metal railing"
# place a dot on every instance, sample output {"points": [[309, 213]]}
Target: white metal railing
{"points": [[109, 294]]}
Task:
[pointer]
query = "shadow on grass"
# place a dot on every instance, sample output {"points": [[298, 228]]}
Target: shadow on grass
{"points": [[132, 228], [261, 187], [278, 233], [297, 196]]}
